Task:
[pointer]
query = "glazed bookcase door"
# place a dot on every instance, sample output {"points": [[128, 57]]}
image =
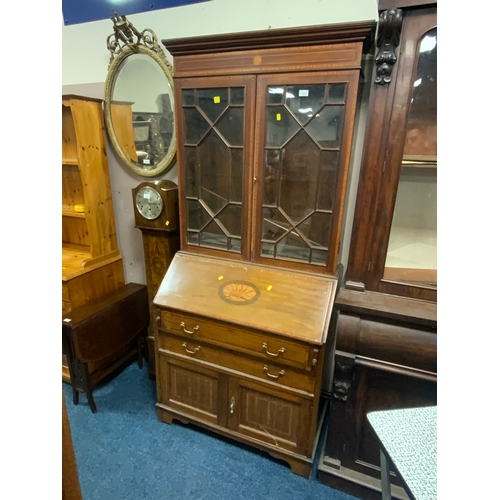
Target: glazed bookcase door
{"points": [[412, 248], [410, 173], [304, 124], [215, 138]]}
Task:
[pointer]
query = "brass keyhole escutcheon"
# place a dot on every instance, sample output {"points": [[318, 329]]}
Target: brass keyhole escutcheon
{"points": [[232, 405]]}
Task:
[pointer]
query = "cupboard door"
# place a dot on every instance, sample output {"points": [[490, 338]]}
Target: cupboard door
{"points": [[270, 415], [215, 138], [192, 389], [302, 157]]}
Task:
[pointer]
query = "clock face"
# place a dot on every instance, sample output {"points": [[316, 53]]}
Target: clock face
{"points": [[149, 203]]}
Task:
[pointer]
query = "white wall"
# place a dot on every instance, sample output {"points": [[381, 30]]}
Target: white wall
{"points": [[85, 56], [85, 61]]}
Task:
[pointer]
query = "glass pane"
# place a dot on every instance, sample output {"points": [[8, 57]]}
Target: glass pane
{"points": [[238, 95], [275, 95], [267, 249], [195, 124], [317, 229], [328, 174], [293, 246], [421, 136], [213, 236], [212, 102], [193, 238], [412, 251], [319, 256], [236, 175], [275, 225], [299, 179], [305, 100], [215, 181], [197, 215], [188, 97], [231, 219], [231, 126], [235, 245], [271, 175], [192, 171], [336, 93], [280, 126], [326, 127]]}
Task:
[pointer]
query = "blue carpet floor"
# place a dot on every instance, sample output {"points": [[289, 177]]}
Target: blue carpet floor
{"points": [[124, 453]]}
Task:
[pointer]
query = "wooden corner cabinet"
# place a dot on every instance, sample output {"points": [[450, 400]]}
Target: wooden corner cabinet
{"points": [[386, 336], [91, 261], [264, 131]]}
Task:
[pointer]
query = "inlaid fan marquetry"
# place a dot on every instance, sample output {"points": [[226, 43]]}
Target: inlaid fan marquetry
{"points": [[239, 292]]}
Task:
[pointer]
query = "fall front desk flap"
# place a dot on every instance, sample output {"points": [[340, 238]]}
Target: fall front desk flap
{"points": [[279, 301]]}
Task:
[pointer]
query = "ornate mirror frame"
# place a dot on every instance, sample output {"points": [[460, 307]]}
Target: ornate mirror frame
{"points": [[125, 42]]}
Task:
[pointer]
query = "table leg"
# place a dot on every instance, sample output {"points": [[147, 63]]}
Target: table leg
{"points": [[88, 388], [140, 344], [385, 476]]}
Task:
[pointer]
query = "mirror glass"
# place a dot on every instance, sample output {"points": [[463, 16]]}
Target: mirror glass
{"points": [[141, 114]]}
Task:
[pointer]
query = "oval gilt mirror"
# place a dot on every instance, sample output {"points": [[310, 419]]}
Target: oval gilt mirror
{"points": [[139, 100]]}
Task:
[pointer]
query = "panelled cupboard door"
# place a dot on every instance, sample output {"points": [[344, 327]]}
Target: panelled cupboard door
{"points": [[192, 389], [271, 415], [302, 149], [215, 137]]}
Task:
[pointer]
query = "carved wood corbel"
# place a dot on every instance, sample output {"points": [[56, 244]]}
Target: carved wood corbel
{"points": [[389, 32], [343, 377]]}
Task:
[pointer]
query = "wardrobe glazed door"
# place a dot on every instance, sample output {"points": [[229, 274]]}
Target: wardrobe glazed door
{"points": [[215, 138], [304, 126]]}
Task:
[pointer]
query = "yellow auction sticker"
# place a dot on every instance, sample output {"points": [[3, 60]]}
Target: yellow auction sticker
{"points": [[217, 99]]}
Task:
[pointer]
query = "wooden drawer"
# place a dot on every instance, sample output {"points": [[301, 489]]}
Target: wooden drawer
{"points": [[272, 372], [266, 346]]}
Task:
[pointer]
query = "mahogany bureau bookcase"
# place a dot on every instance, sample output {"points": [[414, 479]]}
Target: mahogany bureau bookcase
{"points": [[264, 124]]}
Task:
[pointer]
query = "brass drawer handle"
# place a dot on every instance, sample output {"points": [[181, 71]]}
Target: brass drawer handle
{"points": [[196, 349], [183, 326], [280, 351], [270, 375]]}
